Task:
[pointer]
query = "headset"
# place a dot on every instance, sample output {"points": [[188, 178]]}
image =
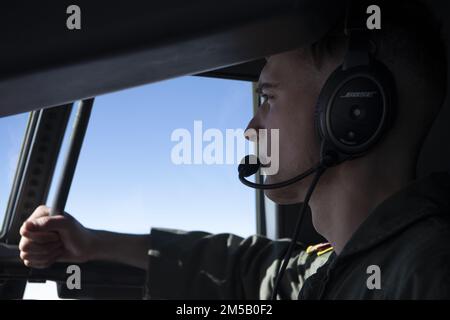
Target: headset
{"points": [[354, 110]]}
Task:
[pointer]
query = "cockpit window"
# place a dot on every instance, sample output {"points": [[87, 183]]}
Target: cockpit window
{"points": [[132, 175]]}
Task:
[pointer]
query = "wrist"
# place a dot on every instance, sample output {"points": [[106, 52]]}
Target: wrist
{"points": [[96, 248]]}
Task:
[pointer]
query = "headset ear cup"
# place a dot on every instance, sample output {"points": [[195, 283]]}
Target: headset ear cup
{"points": [[368, 88]]}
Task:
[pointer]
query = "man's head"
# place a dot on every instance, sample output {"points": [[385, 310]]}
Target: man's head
{"points": [[290, 84]]}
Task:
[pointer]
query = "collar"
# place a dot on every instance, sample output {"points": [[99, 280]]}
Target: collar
{"points": [[420, 199]]}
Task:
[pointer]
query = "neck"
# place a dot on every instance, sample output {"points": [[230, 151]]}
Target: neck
{"points": [[349, 192]]}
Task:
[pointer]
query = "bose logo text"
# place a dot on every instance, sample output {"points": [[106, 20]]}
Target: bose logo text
{"points": [[361, 94]]}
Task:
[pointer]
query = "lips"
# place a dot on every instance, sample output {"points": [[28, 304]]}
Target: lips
{"points": [[265, 165], [265, 162]]}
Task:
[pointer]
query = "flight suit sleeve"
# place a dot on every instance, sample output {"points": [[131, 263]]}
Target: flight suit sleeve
{"points": [[199, 265]]}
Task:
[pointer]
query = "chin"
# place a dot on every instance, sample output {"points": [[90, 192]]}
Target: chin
{"points": [[279, 197], [286, 195]]}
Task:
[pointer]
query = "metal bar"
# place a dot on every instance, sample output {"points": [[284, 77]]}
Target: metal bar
{"points": [[21, 163], [71, 160], [35, 168]]}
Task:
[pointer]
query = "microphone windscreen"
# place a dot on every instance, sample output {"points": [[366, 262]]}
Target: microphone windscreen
{"points": [[249, 165]]}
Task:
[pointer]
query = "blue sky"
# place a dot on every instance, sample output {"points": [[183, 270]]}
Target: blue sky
{"points": [[125, 179], [12, 130]]}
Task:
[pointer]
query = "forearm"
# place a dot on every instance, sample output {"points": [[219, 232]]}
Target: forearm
{"points": [[122, 248]]}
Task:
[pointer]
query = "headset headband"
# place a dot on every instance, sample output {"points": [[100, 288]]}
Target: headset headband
{"points": [[358, 53]]}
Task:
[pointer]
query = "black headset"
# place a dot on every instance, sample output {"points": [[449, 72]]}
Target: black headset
{"points": [[355, 109], [356, 105]]}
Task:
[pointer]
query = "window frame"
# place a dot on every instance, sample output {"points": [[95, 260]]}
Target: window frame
{"points": [[24, 149], [35, 167]]}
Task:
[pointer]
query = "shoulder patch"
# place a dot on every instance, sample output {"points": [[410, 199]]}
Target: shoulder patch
{"points": [[319, 249]]}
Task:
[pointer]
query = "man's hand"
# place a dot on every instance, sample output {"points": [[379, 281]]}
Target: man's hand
{"points": [[46, 240]]}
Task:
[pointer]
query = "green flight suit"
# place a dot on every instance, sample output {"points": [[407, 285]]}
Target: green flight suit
{"points": [[401, 251]]}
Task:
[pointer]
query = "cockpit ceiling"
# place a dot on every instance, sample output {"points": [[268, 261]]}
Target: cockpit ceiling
{"points": [[126, 44]]}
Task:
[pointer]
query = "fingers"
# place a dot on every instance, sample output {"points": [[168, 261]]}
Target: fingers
{"points": [[37, 236], [29, 231], [40, 261], [40, 211], [41, 245], [42, 228], [38, 255], [45, 224], [27, 246]]}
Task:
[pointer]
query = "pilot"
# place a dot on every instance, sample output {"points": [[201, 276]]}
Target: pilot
{"points": [[388, 232]]}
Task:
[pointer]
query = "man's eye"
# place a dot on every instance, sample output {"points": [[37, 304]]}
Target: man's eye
{"points": [[265, 98]]}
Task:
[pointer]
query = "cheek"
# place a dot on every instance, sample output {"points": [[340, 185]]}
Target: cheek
{"points": [[297, 137], [297, 123]]}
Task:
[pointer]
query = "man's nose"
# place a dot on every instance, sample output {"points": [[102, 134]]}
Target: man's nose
{"points": [[251, 132]]}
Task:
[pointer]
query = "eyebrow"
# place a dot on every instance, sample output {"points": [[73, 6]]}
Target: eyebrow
{"points": [[265, 85]]}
